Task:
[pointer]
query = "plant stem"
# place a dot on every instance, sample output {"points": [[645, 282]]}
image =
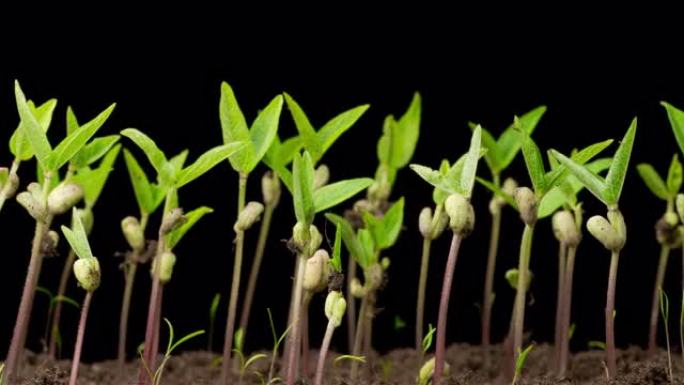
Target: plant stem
{"points": [[657, 286], [323, 352], [358, 337], [125, 306], [566, 311], [368, 326], [521, 289], [256, 267], [665, 310], [57, 314], [304, 325], [488, 294], [681, 312], [611, 360], [440, 346], [235, 285], [6, 189], [79, 338], [290, 314], [562, 251], [420, 305], [296, 314], [26, 304], [351, 304]]}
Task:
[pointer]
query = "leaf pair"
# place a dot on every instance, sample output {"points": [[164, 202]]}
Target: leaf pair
{"points": [[33, 132], [77, 237], [93, 180], [256, 139], [458, 178], [666, 191], [502, 151], [399, 137], [606, 189], [309, 201]]}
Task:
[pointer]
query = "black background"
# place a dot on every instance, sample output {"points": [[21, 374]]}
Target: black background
{"points": [[169, 88]]}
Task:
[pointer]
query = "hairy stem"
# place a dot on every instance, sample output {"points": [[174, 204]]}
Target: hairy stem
{"points": [[79, 338], [235, 285], [655, 300], [351, 304], [358, 337], [558, 335], [296, 314], [323, 352], [488, 294], [611, 360], [440, 346], [420, 305], [256, 267], [125, 307], [566, 312], [521, 288]]}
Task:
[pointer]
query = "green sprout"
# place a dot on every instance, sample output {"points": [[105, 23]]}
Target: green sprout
{"points": [[665, 313], [277, 340], [245, 362], [520, 363], [53, 300], [427, 340], [611, 232], [213, 309]]}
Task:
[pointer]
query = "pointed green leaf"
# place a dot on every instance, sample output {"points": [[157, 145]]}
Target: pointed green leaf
{"points": [[590, 180], [385, 143], [302, 188], [493, 155], [534, 163], [558, 174], [498, 192], [391, 224], [75, 141], [141, 185], [71, 121], [19, 144], [332, 194], [154, 154], [368, 255], [674, 176], [94, 180], [31, 128], [191, 217], [94, 150], [178, 161], [335, 127], [509, 142], [264, 129], [349, 238], [306, 131], [653, 181], [676, 118], [429, 175], [336, 260], [618, 170], [206, 162], [66, 300], [467, 178], [77, 238], [234, 128], [406, 134]]}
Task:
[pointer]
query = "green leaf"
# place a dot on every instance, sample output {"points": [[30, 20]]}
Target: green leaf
{"points": [[77, 238], [618, 170], [64, 299], [493, 154], [498, 192], [534, 163], [427, 340], [154, 154], [368, 256], [19, 144], [336, 261], [558, 174], [408, 130], [214, 305], [75, 141], [509, 142], [653, 181], [306, 131], [302, 188], [590, 180], [264, 129], [234, 128], [429, 175], [148, 196], [674, 176], [206, 162], [71, 121], [676, 118], [332, 194], [94, 150], [467, 178], [94, 180], [178, 161], [390, 225], [520, 361], [334, 128], [31, 128], [349, 238], [191, 217]]}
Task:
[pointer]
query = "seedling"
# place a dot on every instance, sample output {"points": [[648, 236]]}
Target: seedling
{"points": [[87, 272], [156, 375], [520, 363], [611, 232], [458, 183], [667, 232], [305, 237], [245, 362], [53, 300], [276, 345], [213, 308], [427, 340], [427, 371], [339, 360], [171, 175], [44, 199], [500, 154], [665, 313]]}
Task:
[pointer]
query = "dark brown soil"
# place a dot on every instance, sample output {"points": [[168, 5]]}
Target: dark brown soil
{"points": [[397, 367]]}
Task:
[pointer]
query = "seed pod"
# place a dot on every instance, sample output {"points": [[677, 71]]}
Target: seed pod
{"points": [[385, 263], [335, 306], [605, 233], [11, 185], [373, 276], [54, 239], [666, 232], [248, 216], [362, 205], [167, 261], [64, 197], [564, 228], [461, 214], [509, 186], [527, 205], [425, 222], [87, 272], [306, 243], [512, 276], [172, 220], [357, 289], [317, 271], [35, 207], [428, 370], [671, 218], [321, 176], [270, 188], [133, 233]]}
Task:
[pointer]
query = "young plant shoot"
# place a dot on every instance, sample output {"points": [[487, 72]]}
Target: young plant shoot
{"points": [[611, 231], [666, 232], [500, 154], [254, 142], [305, 236], [172, 175], [458, 184], [87, 272], [155, 376], [43, 201]]}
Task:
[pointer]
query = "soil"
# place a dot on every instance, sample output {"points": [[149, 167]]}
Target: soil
{"points": [[397, 367]]}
